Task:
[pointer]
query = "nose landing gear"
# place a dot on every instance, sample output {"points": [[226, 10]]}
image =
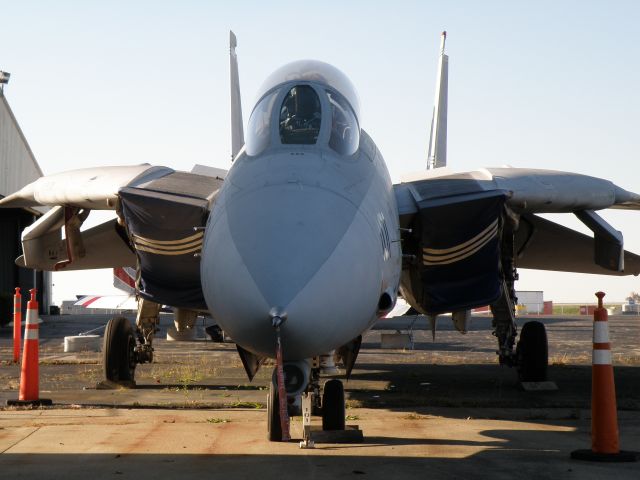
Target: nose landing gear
{"points": [[330, 406], [333, 406]]}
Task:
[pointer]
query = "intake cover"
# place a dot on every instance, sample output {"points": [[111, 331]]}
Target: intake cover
{"points": [[160, 218], [458, 252]]}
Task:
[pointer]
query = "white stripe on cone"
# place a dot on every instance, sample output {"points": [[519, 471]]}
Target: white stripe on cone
{"points": [[32, 317], [31, 334], [602, 357], [600, 332]]}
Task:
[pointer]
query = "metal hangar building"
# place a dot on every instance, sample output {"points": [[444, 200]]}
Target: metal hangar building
{"points": [[18, 167]]}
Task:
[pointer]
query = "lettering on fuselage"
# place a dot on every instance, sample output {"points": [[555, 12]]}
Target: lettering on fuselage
{"points": [[384, 237]]}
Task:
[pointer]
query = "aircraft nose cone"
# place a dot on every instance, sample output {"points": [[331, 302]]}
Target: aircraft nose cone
{"points": [[285, 233], [291, 248]]}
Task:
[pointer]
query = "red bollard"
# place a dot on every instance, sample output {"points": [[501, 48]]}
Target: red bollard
{"points": [[29, 372], [17, 325], [604, 415]]}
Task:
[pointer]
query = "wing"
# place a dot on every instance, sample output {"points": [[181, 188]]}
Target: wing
{"points": [[461, 230], [159, 229], [545, 245], [528, 190], [91, 188]]}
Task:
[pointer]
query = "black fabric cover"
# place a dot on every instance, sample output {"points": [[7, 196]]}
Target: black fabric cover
{"points": [[469, 282], [164, 212]]}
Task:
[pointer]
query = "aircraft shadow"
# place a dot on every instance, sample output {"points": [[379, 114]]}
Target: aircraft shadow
{"points": [[395, 386]]}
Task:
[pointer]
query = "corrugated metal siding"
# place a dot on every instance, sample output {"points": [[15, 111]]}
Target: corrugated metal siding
{"points": [[18, 166]]}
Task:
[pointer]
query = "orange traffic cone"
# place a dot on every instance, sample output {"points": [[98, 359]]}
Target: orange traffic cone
{"points": [[604, 416], [17, 325], [29, 375]]}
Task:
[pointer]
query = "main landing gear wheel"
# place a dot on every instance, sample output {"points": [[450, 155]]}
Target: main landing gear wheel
{"points": [[119, 358], [532, 353], [274, 427], [333, 406]]}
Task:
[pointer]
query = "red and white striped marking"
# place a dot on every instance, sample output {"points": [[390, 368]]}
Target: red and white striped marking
{"points": [[124, 278], [601, 345], [17, 325], [108, 302]]}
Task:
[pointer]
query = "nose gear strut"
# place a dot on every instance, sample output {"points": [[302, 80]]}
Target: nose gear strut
{"points": [[282, 393]]}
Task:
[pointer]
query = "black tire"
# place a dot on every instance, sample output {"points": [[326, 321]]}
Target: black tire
{"points": [[274, 427], [118, 351], [333, 412], [533, 353]]}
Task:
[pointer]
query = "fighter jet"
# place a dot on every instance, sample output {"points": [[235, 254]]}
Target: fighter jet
{"points": [[305, 242]]}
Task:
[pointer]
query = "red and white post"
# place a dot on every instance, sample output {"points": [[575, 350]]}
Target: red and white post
{"points": [[17, 325]]}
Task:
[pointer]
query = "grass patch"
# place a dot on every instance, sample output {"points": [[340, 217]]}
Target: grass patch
{"points": [[218, 420], [255, 405], [415, 416]]}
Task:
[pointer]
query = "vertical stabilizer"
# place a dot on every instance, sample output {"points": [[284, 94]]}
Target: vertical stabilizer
{"points": [[237, 132], [438, 139]]}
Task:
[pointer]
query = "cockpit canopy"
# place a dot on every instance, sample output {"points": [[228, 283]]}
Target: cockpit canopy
{"points": [[300, 116], [313, 71], [305, 103]]}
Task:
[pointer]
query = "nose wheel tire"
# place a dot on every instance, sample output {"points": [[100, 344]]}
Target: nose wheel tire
{"points": [[532, 353], [333, 409], [274, 428], [118, 351]]}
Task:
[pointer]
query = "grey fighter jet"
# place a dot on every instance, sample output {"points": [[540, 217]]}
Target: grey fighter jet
{"points": [[305, 242]]}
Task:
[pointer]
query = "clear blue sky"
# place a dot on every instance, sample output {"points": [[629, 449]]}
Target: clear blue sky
{"points": [[539, 84]]}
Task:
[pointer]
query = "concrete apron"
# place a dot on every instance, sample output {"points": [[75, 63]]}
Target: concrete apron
{"points": [[73, 443]]}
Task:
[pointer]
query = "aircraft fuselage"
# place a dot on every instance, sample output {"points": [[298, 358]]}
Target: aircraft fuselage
{"points": [[306, 233]]}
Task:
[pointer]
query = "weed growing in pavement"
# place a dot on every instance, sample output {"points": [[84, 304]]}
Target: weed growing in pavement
{"points": [[621, 359], [218, 420], [559, 360], [415, 416], [245, 405]]}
